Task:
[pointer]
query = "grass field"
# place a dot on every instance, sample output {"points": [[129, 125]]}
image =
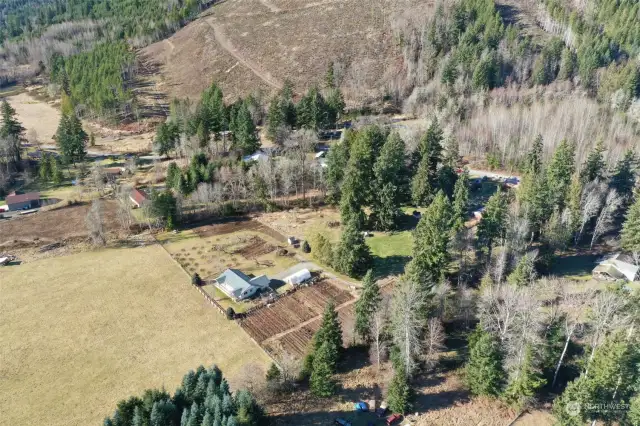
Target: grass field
{"points": [[79, 333]]}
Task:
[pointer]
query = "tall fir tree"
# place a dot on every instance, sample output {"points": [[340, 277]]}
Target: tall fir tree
{"points": [[359, 176], [623, 179], [11, 127], [559, 173], [353, 256], [400, 394], [321, 381], [525, 383], [430, 241], [493, 222], [366, 306], [337, 159], [483, 372], [330, 332], [630, 235], [245, 136], [71, 139], [422, 189], [460, 202], [594, 166]]}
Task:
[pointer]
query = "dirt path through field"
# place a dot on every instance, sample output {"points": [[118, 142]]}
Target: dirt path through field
{"points": [[226, 44], [272, 7]]}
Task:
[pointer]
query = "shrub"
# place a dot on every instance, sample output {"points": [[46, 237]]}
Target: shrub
{"points": [[230, 313], [306, 247]]}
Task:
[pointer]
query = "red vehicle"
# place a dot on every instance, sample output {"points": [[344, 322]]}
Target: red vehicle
{"points": [[393, 419]]}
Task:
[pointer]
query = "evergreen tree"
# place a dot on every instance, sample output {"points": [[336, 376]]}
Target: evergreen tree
{"points": [[460, 202], [273, 374], [390, 166], [337, 159], [11, 127], [624, 177], [385, 211], [321, 381], [483, 372], [630, 235], [559, 173], [167, 136], [330, 332], [431, 148], [534, 157], [71, 139], [275, 118], [593, 167], [311, 111], [399, 395], [525, 383], [352, 256], [421, 185], [138, 417], [366, 306], [329, 78], [173, 175], [633, 415], [164, 206], [245, 136], [44, 171], [493, 221], [524, 272], [334, 106], [207, 420], [430, 241]]}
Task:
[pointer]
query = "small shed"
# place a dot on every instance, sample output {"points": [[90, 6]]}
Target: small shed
{"points": [[298, 277]]}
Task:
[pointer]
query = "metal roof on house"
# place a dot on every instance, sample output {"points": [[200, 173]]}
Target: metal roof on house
{"points": [[22, 198], [234, 280], [618, 268]]}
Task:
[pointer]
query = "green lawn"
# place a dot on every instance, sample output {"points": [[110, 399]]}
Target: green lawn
{"points": [[574, 266], [392, 251]]}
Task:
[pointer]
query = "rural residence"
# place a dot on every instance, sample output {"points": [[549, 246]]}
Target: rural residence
{"points": [[16, 201], [616, 267], [138, 197], [235, 284]]}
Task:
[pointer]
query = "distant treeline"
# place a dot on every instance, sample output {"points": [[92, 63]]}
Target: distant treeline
{"points": [[144, 19]]}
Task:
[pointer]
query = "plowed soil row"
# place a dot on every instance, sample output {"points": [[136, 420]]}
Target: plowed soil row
{"points": [[292, 310], [255, 247], [237, 225]]}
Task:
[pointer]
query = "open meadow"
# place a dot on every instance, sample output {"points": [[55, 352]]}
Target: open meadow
{"points": [[78, 333]]}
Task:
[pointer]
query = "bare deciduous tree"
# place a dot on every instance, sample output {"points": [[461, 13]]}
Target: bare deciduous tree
{"points": [[607, 215], [94, 224], [407, 323], [379, 345], [98, 177], [590, 204], [573, 306], [434, 342], [608, 313], [125, 217]]}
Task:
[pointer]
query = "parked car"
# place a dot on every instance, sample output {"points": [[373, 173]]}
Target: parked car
{"points": [[393, 419], [341, 422], [361, 406], [382, 410]]}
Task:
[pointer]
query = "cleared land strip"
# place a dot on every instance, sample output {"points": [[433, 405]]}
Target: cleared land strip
{"points": [[226, 44]]}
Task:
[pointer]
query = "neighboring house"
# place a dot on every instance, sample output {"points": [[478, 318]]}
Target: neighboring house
{"points": [[616, 267], [138, 197], [239, 286], [113, 171], [30, 200]]}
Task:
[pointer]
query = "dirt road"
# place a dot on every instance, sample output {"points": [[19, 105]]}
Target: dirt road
{"points": [[226, 44]]}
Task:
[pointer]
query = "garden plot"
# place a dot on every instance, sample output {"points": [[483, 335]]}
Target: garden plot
{"points": [[208, 252], [289, 324]]}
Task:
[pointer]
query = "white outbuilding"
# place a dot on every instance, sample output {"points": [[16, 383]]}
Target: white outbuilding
{"points": [[299, 277]]}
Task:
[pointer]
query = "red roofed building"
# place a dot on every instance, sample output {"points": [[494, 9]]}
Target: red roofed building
{"points": [[138, 197], [30, 200]]}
